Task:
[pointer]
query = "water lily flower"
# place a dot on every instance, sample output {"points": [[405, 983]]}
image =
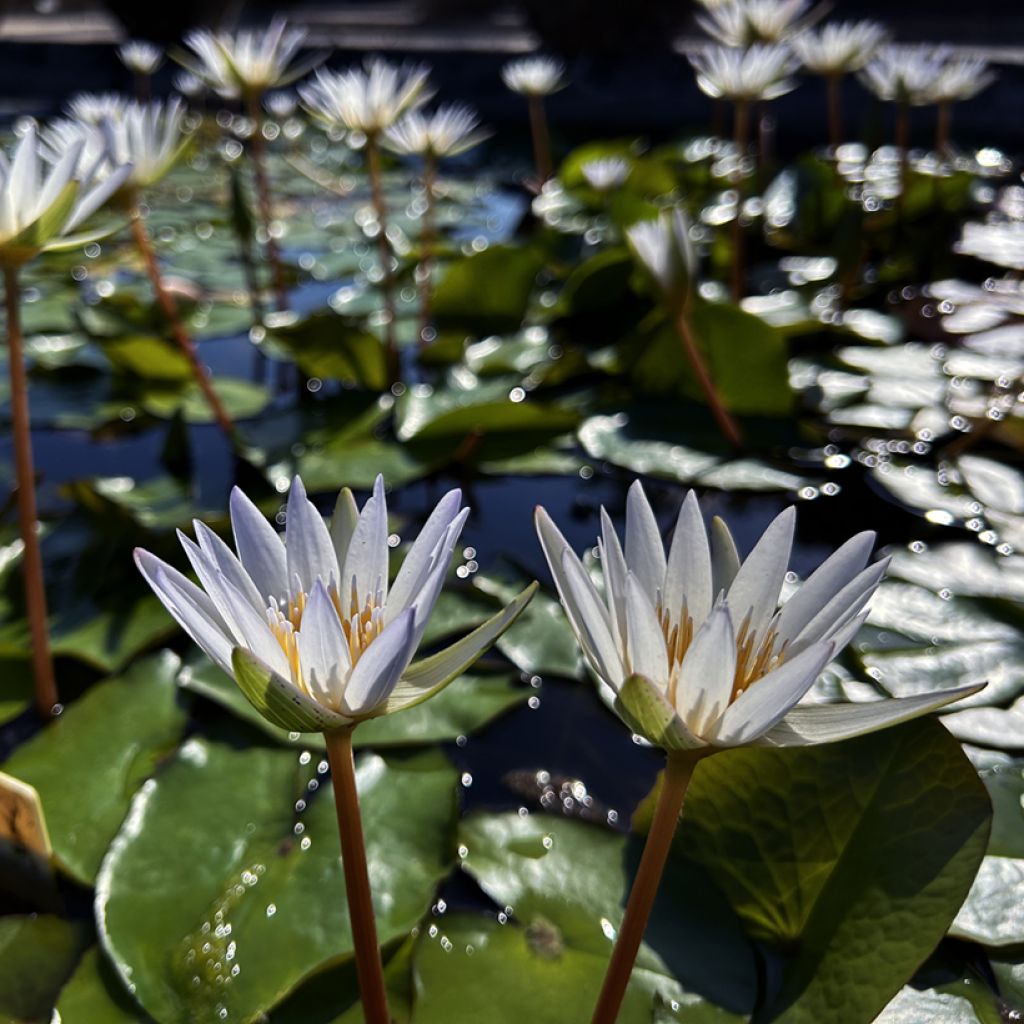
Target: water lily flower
{"points": [[308, 624], [743, 22], [247, 63], [761, 72], [692, 643], [141, 57], [189, 85], [664, 249], [281, 104], [534, 76], [367, 99], [606, 173], [840, 47], [904, 74], [450, 130], [961, 78], [45, 196], [96, 107]]}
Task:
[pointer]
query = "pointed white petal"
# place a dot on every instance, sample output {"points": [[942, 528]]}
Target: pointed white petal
{"points": [[255, 632], [417, 565], [553, 545], [847, 603], [225, 560], [213, 581], [688, 572], [843, 634], [827, 723], [768, 699], [648, 656], [323, 649], [343, 523], [366, 562], [725, 559], [705, 678], [615, 572], [589, 618], [755, 590], [259, 547], [381, 666], [645, 552], [426, 597], [307, 544], [823, 584]]}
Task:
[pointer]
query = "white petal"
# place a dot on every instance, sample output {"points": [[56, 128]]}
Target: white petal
{"points": [[343, 523], [90, 201], [381, 666], [847, 603], [645, 552], [255, 632], [191, 608], [827, 723], [823, 584], [589, 619], [224, 559], [688, 572], [615, 573], [755, 590], [417, 565], [725, 559], [768, 699], [646, 642], [366, 563], [553, 545], [307, 543], [323, 649], [213, 581], [705, 678], [259, 547], [426, 597]]}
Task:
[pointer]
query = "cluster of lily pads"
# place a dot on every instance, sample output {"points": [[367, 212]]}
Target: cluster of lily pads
{"points": [[217, 299]]}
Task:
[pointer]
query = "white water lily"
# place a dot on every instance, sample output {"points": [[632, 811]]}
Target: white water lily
{"points": [[905, 74], [693, 644], [534, 76], [281, 104], [45, 196], [247, 63], [840, 47], [450, 130], [141, 57], [761, 72], [95, 107], [744, 22], [367, 99], [308, 624], [149, 136], [961, 78], [189, 85], [663, 247], [606, 173]]}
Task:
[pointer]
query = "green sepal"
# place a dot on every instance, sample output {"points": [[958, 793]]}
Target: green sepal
{"points": [[642, 706], [278, 701]]}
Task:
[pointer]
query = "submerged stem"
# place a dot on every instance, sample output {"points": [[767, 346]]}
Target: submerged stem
{"points": [[384, 248], [674, 784], [427, 245], [32, 560], [170, 310], [259, 166], [726, 424], [541, 137], [357, 880]]}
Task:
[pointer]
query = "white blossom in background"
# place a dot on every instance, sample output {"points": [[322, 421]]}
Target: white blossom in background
{"points": [[744, 22], [606, 173], [95, 107], [367, 99], [534, 76], [840, 47], [905, 74], [281, 104], [692, 642], [140, 57], [961, 78], [308, 623], [249, 62], [46, 196], [189, 85], [762, 72], [664, 249], [450, 130]]}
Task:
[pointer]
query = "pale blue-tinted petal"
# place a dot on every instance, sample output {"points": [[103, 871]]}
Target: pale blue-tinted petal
{"points": [[828, 723], [688, 577], [191, 608], [725, 558], [421, 556], [644, 550], [426, 597], [259, 547], [323, 648], [589, 619], [343, 523], [823, 584], [754, 593], [647, 654], [307, 543], [615, 572], [225, 560], [705, 679], [255, 632], [377, 672], [769, 699], [366, 562], [213, 581]]}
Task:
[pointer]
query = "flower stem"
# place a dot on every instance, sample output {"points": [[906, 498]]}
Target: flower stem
{"points": [[903, 145], [427, 245], [357, 880], [384, 248], [541, 137], [178, 331], [32, 561], [674, 784], [943, 118], [726, 424], [741, 130], [259, 166], [834, 87]]}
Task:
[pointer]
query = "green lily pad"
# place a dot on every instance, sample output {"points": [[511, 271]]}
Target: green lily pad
{"points": [[87, 765], [257, 882], [94, 994]]}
